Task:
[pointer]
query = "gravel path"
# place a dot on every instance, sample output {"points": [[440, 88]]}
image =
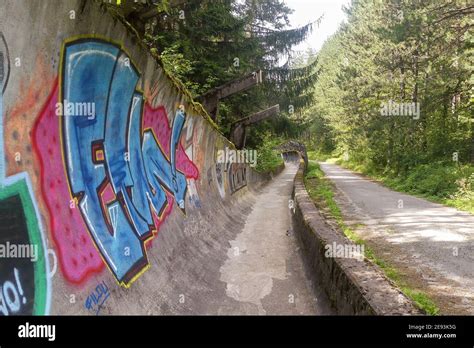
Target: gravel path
{"points": [[430, 244]]}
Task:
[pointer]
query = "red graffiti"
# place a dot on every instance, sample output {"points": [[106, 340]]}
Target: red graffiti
{"points": [[77, 254]]}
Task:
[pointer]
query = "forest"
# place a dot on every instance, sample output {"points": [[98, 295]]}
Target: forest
{"points": [[395, 53], [390, 94]]}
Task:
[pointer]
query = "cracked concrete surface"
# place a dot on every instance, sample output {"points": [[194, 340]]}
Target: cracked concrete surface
{"points": [[237, 258], [264, 266]]}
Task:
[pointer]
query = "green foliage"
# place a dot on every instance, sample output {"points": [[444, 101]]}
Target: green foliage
{"points": [[463, 198], [177, 65], [206, 43], [268, 159], [318, 156], [405, 51], [431, 180], [441, 182], [320, 190]]}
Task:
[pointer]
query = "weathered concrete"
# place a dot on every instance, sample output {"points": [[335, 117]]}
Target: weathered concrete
{"points": [[264, 266], [292, 147], [129, 210], [354, 286]]}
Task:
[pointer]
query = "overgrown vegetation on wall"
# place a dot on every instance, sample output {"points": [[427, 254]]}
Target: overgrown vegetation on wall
{"points": [[207, 43]]}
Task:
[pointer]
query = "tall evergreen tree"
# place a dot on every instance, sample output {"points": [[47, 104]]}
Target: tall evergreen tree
{"points": [[206, 43]]}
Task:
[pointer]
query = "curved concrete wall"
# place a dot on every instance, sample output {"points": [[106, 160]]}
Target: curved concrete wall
{"points": [[108, 171]]}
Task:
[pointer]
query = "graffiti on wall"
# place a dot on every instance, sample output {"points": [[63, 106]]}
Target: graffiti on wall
{"points": [[220, 177], [95, 301], [112, 167], [237, 176], [24, 280]]}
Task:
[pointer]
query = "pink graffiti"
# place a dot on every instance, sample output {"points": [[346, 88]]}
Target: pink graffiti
{"points": [[77, 254]]}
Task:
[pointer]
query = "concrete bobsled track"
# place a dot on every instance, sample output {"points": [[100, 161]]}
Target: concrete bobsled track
{"points": [[112, 200], [108, 171]]}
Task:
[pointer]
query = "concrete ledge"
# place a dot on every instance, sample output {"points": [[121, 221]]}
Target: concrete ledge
{"points": [[353, 286]]}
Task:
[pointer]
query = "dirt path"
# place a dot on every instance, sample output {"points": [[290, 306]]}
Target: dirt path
{"points": [[430, 244]]}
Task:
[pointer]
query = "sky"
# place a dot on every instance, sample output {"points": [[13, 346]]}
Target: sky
{"points": [[306, 11]]}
